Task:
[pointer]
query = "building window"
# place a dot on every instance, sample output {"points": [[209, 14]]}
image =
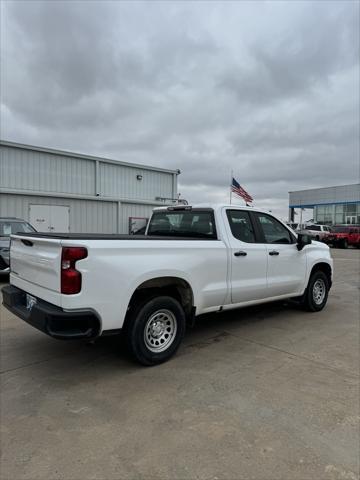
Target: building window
{"points": [[339, 218], [339, 208], [324, 214], [350, 209], [341, 214]]}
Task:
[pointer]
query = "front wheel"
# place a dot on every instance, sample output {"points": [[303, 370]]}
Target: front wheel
{"points": [[316, 293], [155, 330]]}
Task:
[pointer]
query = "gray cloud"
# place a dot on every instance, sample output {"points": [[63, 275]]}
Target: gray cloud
{"points": [[296, 62], [268, 89]]}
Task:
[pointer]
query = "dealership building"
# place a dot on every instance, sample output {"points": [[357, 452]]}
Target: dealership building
{"points": [[339, 205], [59, 191]]}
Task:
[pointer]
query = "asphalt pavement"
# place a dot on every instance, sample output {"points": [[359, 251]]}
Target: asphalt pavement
{"points": [[259, 393]]}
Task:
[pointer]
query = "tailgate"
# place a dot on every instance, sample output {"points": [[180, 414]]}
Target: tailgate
{"points": [[36, 260]]}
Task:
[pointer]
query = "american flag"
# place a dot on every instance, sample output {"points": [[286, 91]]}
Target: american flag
{"points": [[240, 191]]}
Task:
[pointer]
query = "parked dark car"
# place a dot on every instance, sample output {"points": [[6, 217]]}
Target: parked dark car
{"points": [[9, 225]]}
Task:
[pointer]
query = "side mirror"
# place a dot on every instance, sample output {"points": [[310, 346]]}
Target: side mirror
{"points": [[302, 240]]}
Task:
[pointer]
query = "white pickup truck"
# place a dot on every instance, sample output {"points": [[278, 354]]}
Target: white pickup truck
{"points": [[192, 260], [318, 232]]}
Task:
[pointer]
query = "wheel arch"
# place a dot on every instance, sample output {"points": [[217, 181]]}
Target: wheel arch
{"points": [[322, 267], [171, 286]]}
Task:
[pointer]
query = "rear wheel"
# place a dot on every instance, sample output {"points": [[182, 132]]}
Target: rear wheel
{"points": [[155, 330], [316, 293], [345, 243]]}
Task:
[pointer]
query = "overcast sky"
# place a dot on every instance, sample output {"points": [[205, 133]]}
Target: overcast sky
{"points": [[268, 89]]}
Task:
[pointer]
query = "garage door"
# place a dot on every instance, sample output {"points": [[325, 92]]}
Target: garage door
{"points": [[50, 218]]}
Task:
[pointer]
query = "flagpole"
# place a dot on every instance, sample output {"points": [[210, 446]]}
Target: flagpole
{"points": [[231, 179]]}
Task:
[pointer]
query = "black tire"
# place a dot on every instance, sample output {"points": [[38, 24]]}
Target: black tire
{"points": [[345, 244], [164, 314], [309, 301], [317, 238]]}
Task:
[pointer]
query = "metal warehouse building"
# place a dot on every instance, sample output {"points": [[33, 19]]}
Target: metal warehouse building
{"points": [[62, 191], [332, 205]]}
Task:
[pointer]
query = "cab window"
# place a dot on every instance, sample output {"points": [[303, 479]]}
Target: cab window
{"points": [[241, 226], [273, 231], [183, 223]]}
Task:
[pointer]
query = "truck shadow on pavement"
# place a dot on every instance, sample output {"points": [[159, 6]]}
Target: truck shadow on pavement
{"points": [[46, 353], [213, 328]]}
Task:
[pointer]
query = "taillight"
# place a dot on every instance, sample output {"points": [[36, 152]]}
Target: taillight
{"points": [[70, 277]]}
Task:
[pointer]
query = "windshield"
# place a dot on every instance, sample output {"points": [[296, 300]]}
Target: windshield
{"points": [[191, 223], [7, 227]]}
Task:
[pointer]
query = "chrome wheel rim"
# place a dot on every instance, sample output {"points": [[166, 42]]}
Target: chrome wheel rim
{"points": [[319, 291], [160, 331]]}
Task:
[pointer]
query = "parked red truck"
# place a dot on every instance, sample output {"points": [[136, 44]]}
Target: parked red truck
{"points": [[344, 236]]}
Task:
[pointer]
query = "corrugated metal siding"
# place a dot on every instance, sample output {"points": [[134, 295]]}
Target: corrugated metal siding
{"points": [[131, 210], [120, 181], [23, 169], [86, 216], [337, 194], [28, 171], [32, 170]]}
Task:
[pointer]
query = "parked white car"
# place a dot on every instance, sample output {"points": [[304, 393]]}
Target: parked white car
{"points": [[191, 261]]}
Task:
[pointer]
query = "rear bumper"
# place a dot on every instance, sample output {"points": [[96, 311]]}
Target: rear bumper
{"points": [[50, 319]]}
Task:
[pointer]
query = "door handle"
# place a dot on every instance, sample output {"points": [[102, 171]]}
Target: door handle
{"points": [[28, 243], [240, 254], [274, 252]]}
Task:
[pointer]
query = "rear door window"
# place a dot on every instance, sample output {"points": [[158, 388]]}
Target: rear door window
{"points": [[241, 225]]}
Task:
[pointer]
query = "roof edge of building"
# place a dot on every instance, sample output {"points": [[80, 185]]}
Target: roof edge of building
{"points": [[324, 188], [67, 153]]}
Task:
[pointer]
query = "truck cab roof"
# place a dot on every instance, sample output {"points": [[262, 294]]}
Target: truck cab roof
{"points": [[209, 206]]}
